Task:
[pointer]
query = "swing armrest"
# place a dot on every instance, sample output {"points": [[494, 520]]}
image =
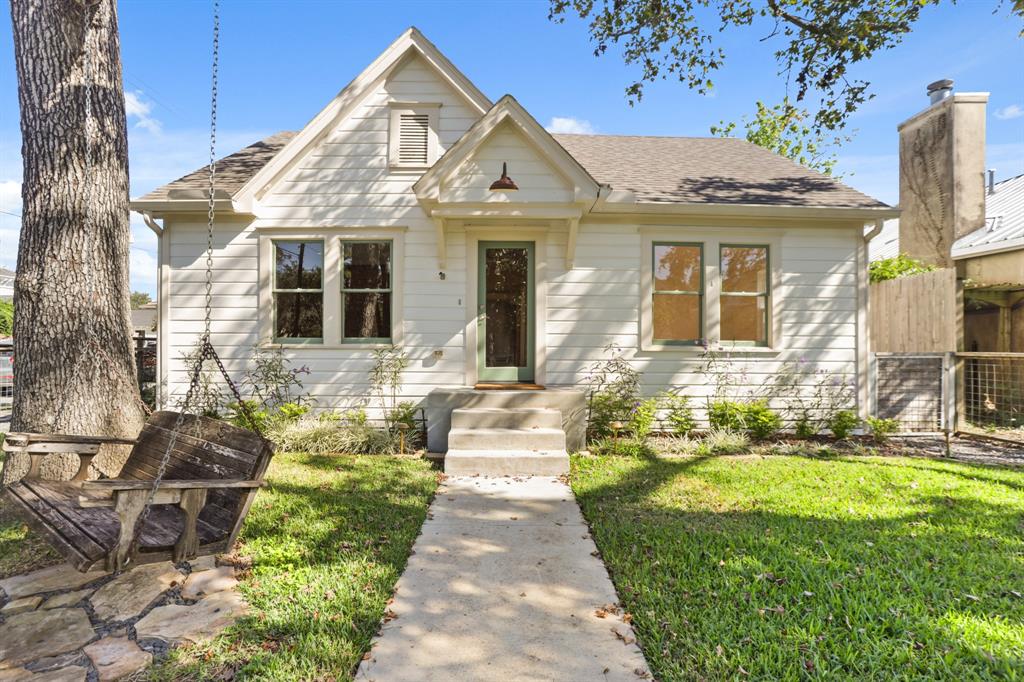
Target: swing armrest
{"points": [[38, 445]]}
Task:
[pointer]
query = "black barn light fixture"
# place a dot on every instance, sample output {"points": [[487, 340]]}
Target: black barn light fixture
{"points": [[504, 183]]}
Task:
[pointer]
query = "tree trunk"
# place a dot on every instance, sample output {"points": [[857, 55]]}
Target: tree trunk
{"points": [[74, 370]]}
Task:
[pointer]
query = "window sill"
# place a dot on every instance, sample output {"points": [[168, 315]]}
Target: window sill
{"points": [[697, 351], [270, 345]]}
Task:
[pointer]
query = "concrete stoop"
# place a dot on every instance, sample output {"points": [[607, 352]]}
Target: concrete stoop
{"points": [[525, 441]]}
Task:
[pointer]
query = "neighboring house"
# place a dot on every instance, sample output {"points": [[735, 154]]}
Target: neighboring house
{"points": [[954, 215], [144, 318], [390, 219], [6, 284]]}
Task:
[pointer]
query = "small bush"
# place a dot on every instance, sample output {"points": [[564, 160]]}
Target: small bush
{"points": [[881, 428], [679, 414], [622, 447], [896, 267], [756, 417], [642, 420], [726, 415], [760, 420], [723, 442], [331, 433], [805, 427], [842, 423]]}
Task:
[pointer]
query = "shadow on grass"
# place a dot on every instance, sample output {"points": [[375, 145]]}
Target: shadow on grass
{"points": [[781, 567]]}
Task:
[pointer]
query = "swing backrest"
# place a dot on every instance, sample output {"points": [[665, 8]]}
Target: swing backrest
{"points": [[205, 449]]}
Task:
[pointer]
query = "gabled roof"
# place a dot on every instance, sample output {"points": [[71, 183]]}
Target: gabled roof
{"points": [[708, 170], [507, 110], [1004, 222], [409, 43]]}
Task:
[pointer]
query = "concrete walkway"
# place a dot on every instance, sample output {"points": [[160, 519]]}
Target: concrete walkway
{"points": [[504, 584]]}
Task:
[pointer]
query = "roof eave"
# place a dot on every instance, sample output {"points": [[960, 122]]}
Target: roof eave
{"points": [[160, 207], [740, 210], [988, 249]]}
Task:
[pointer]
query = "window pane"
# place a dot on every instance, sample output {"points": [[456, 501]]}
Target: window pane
{"points": [[676, 268], [745, 268], [743, 318], [676, 317], [299, 316], [367, 265], [299, 265], [367, 316]]}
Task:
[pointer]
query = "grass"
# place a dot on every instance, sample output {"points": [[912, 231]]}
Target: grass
{"points": [[812, 567], [21, 550], [328, 539]]}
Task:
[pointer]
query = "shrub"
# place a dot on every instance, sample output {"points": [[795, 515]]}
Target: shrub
{"points": [[642, 420], [614, 387], [842, 423], [760, 420], [350, 433], [723, 442], [622, 447], [756, 417], [679, 414], [896, 267], [881, 428], [726, 415], [805, 427]]}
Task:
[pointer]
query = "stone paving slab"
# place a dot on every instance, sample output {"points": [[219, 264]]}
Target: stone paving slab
{"points": [[504, 584], [36, 634], [60, 577]]}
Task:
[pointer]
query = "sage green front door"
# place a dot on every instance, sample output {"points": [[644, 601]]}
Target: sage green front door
{"points": [[505, 312]]}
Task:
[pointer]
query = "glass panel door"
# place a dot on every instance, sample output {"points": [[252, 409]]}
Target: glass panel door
{"points": [[505, 308]]}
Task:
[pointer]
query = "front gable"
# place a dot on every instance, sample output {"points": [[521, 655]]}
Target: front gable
{"points": [[539, 180]]}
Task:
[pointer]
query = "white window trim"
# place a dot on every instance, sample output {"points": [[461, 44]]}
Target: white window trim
{"points": [[332, 239], [712, 285], [433, 112]]}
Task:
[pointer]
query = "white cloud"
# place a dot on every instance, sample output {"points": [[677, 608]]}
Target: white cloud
{"points": [[1010, 112], [135, 107], [568, 124], [142, 269]]}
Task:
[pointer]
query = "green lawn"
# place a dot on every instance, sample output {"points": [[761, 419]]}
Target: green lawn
{"points": [[21, 550], [328, 539], [788, 567]]}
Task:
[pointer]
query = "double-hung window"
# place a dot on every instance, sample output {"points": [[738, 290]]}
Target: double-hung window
{"points": [[678, 292], [745, 294], [366, 290], [298, 291]]}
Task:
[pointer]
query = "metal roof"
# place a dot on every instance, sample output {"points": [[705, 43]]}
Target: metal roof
{"points": [[1004, 222]]}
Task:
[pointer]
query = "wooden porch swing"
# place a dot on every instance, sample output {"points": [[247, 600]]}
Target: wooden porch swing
{"points": [[189, 480]]}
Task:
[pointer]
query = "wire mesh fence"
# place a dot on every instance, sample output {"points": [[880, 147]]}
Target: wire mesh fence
{"points": [[993, 392], [6, 381], [912, 389]]}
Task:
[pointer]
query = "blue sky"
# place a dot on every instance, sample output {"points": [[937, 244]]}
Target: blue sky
{"points": [[282, 61]]}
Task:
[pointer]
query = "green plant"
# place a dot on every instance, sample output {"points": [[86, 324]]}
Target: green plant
{"points": [[726, 414], [291, 411], [723, 442], [6, 318], [760, 420], [386, 379], [896, 267], [614, 389], [882, 428], [842, 423], [260, 416], [269, 379], [642, 420], [679, 414], [805, 427], [622, 447]]}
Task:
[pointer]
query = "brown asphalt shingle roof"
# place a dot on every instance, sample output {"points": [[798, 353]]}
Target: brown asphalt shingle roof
{"points": [[233, 171], [688, 170], [698, 170]]}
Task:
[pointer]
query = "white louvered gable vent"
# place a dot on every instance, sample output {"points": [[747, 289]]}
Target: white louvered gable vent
{"points": [[413, 138]]}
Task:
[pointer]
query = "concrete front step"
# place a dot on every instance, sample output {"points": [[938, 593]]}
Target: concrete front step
{"points": [[506, 463], [497, 439], [506, 418]]}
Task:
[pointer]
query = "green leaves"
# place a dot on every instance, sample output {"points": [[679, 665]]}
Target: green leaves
{"points": [[896, 267], [817, 42]]}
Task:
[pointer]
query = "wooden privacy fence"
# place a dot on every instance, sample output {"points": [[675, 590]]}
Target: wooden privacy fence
{"points": [[918, 314]]}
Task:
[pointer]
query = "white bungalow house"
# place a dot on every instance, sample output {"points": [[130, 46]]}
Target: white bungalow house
{"points": [[414, 211]]}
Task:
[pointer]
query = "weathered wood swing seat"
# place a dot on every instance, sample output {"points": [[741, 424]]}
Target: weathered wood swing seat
{"points": [[212, 475]]}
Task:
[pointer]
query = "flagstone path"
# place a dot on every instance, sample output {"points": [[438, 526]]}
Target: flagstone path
{"points": [[504, 584], [59, 625]]}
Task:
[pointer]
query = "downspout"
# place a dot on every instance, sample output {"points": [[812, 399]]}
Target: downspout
{"points": [[866, 392], [147, 217]]}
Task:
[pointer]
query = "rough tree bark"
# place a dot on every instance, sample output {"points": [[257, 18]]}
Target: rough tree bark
{"points": [[74, 370]]}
